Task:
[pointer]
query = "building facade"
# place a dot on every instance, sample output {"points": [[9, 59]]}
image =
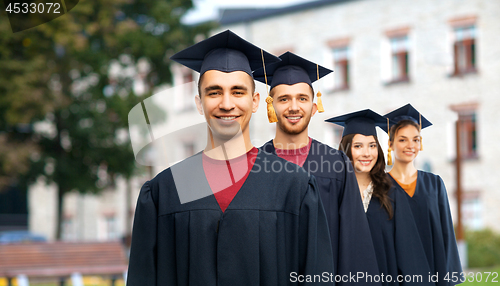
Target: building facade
{"points": [[443, 57]]}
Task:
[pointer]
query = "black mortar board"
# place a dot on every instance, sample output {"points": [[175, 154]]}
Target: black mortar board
{"points": [[291, 70], [408, 112], [226, 52], [360, 122]]}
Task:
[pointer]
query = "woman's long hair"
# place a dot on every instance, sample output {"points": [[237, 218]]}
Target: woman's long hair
{"points": [[380, 180]]}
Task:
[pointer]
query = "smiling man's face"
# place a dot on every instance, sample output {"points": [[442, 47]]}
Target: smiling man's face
{"points": [[227, 101], [294, 107]]}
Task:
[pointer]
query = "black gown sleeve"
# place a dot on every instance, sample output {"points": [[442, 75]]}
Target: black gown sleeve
{"points": [[315, 252], [450, 244], [142, 261]]}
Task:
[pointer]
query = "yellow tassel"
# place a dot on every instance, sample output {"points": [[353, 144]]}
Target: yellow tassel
{"points": [[420, 125], [271, 114], [320, 103], [389, 157]]}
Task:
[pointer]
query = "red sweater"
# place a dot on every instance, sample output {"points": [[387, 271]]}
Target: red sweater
{"points": [[226, 177], [296, 156]]}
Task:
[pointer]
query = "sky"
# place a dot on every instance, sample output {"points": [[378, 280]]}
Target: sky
{"points": [[208, 9]]}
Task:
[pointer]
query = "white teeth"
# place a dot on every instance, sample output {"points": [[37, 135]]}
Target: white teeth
{"points": [[227, 117], [294, 117]]}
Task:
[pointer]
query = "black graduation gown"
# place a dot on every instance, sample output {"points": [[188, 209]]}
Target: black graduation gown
{"points": [[400, 256], [274, 226], [349, 231], [424, 226], [383, 235]]}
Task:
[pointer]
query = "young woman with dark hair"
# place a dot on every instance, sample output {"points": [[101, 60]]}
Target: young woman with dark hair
{"points": [[368, 161], [360, 143]]}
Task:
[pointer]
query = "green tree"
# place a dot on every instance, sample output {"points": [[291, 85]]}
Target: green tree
{"points": [[57, 83]]}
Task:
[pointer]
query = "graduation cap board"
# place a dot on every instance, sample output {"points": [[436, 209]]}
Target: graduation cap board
{"points": [[291, 70], [360, 122], [226, 52], [407, 112]]}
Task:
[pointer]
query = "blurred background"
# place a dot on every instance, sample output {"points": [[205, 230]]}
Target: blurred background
{"points": [[68, 177]]}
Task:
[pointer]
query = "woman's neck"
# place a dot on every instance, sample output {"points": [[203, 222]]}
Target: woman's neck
{"points": [[404, 172]]}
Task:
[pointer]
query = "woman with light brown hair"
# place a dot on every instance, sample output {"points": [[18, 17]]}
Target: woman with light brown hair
{"points": [[422, 207]]}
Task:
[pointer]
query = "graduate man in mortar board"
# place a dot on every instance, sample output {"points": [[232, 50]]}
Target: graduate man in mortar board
{"points": [[224, 216], [290, 104]]}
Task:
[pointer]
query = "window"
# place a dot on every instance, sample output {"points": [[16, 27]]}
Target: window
{"points": [[471, 210], [111, 227], [464, 50], [399, 58], [468, 135], [338, 58], [68, 228], [341, 67], [467, 115]]}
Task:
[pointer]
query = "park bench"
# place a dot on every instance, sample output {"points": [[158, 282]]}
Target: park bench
{"points": [[62, 260]]}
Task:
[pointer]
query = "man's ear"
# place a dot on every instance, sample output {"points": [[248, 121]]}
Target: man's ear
{"points": [[197, 99], [256, 101], [314, 109]]}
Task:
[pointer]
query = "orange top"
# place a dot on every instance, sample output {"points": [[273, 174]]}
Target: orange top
{"points": [[409, 188]]}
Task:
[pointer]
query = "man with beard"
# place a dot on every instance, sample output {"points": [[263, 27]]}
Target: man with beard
{"points": [[219, 217], [291, 99]]}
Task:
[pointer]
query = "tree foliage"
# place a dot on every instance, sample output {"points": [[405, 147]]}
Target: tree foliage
{"points": [[66, 88]]}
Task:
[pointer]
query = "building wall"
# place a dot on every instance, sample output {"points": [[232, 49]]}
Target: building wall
{"points": [[86, 217], [431, 88], [309, 33]]}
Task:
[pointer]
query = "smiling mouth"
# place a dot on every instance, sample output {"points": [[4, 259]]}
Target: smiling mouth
{"points": [[227, 118], [294, 119], [365, 163]]}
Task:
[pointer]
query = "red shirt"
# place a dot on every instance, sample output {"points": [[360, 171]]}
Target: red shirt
{"points": [[296, 156], [226, 177]]}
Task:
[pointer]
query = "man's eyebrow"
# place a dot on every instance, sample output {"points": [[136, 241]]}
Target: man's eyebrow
{"points": [[212, 87], [283, 95], [242, 87]]}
